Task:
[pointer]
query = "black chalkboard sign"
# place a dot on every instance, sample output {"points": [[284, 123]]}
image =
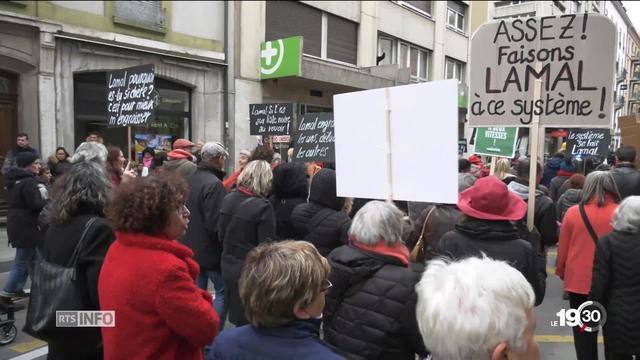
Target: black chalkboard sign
{"points": [[131, 96], [315, 140], [270, 119], [585, 142]]}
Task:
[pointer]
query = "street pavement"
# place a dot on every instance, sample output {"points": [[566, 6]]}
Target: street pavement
{"points": [[555, 342]]}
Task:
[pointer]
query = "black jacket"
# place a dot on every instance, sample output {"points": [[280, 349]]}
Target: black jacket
{"points": [[442, 219], [499, 240], [616, 285], [545, 218], [60, 242], [25, 204], [568, 199], [627, 179], [370, 311], [320, 221], [59, 168], [290, 189], [206, 194], [555, 187], [245, 221]]}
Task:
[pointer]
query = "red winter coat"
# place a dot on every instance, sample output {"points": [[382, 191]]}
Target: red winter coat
{"points": [[159, 312]]}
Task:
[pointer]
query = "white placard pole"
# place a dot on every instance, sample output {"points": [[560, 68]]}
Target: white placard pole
{"points": [[493, 165], [388, 144], [534, 135]]}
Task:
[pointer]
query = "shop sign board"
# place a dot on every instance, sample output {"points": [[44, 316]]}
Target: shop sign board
{"points": [[270, 119], [281, 58], [131, 96], [315, 140], [496, 141]]}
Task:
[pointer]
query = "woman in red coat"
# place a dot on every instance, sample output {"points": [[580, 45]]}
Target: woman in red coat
{"points": [[148, 278], [577, 246]]}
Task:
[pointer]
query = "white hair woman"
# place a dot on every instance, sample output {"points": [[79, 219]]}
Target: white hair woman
{"points": [[581, 228], [373, 269], [246, 220], [476, 308], [616, 281]]}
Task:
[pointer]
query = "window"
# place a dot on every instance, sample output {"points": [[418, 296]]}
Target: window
{"points": [[145, 14], [396, 51], [454, 70], [455, 15], [507, 3], [423, 7], [336, 40]]}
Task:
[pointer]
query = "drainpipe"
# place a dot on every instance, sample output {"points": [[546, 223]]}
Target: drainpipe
{"points": [[229, 91]]}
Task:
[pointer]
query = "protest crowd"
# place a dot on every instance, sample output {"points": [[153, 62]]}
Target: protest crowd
{"points": [[270, 263]]}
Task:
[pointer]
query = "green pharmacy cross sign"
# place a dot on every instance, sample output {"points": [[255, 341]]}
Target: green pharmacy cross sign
{"points": [[281, 58], [496, 141]]}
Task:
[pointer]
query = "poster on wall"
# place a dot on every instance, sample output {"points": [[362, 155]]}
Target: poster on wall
{"points": [[131, 96]]}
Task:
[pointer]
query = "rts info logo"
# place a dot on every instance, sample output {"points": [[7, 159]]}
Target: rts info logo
{"points": [[589, 317]]}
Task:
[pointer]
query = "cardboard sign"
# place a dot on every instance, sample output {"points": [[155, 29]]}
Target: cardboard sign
{"points": [[131, 96], [316, 139], [390, 130], [586, 142], [496, 141], [573, 56], [270, 119]]}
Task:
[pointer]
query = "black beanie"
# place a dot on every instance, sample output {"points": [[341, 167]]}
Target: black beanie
{"points": [[25, 158]]}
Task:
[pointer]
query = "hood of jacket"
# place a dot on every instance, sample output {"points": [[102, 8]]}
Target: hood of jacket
{"points": [[358, 264], [572, 196], [323, 190], [16, 174], [290, 180], [487, 230], [522, 190]]}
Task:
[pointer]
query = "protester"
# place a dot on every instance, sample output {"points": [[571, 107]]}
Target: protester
{"points": [[571, 197], [58, 163], [616, 281], [551, 168], [22, 145], [246, 220], [283, 286], [476, 308], [94, 136], [78, 203], [544, 212], [25, 204], [465, 178], [477, 166], [158, 161], [578, 236], [148, 154], [262, 152], [88, 151], [183, 144], [149, 279], [115, 166], [487, 228], [290, 189], [206, 194], [625, 173], [320, 221], [566, 170], [243, 159], [370, 311], [44, 181], [180, 163], [503, 170]]}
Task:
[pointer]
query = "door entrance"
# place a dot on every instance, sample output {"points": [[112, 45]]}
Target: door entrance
{"points": [[8, 118]]}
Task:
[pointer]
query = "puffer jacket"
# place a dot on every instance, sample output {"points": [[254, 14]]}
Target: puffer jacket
{"points": [[499, 240], [443, 219], [370, 310], [544, 219], [556, 185], [616, 285], [627, 179], [568, 199], [25, 204], [290, 189], [320, 221], [551, 170]]}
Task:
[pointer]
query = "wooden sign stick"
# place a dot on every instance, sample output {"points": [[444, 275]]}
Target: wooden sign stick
{"points": [[533, 166]]}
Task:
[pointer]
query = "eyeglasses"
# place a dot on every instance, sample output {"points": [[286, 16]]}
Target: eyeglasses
{"points": [[327, 285]]}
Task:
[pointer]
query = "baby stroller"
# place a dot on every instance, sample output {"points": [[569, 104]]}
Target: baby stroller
{"points": [[8, 329]]}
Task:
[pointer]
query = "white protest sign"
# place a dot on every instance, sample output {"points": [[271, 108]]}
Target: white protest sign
{"points": [[423, 121], [573, 56]]}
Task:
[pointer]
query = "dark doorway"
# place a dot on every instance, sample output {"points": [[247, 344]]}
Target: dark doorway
{"points": [[8, 118]]}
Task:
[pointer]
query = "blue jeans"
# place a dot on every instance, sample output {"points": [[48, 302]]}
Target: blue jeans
{"points": [[23, 265], [218, 285]]}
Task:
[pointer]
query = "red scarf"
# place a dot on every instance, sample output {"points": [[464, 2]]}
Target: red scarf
{"points": [[564, 173], [245, 190], [398, 250]]}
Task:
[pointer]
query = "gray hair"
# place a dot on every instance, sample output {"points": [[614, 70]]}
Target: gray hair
{"points": [[597, 185], [627, 215], [480, 300], [90, 150], [257, 177], [85, 185], [377, 221]]}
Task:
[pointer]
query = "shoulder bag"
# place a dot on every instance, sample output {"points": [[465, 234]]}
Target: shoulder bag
{"points": [[417, 254]]}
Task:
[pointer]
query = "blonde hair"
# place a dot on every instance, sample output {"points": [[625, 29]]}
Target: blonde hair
{"points": [[503, 168], [257, 177], [278, 277]]}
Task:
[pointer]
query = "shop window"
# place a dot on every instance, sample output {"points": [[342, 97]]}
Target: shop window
{"points": [[455, 15], [454, 70], [407, 55], [144, 14], [325, 35], [172, 120]]}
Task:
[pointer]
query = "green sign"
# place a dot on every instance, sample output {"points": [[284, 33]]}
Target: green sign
{"points": [[281, 58], [496, 141]]}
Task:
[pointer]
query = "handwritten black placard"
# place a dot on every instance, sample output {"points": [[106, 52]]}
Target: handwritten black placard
{"points": [[585, 142], [131, 98], [316, 139], [270, 119]]}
